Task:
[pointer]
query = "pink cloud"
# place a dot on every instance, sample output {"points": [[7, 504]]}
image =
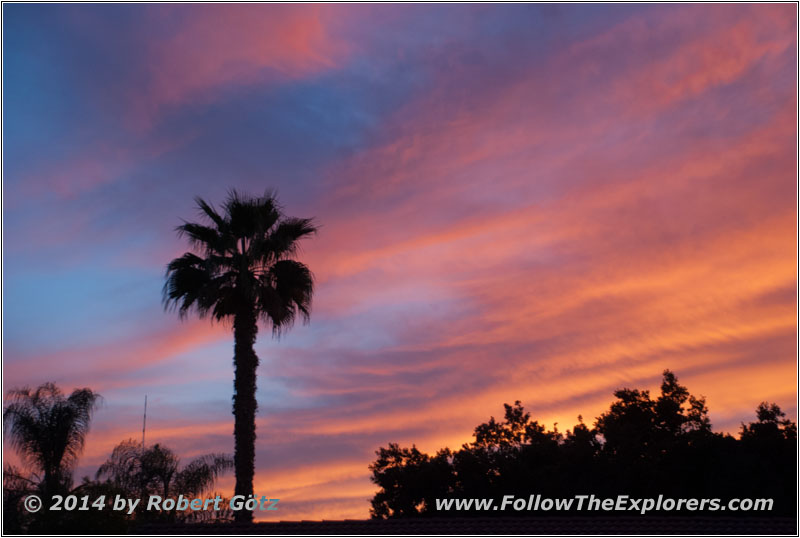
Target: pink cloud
{"points": [[215, 45]]}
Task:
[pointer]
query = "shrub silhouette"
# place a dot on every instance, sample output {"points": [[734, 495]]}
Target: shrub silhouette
{"points": [[641, 447]]}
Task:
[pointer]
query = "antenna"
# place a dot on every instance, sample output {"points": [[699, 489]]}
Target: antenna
{"points": [[144, 420]]}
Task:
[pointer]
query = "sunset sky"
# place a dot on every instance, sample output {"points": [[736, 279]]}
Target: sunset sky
{"points": [[534, 202]]}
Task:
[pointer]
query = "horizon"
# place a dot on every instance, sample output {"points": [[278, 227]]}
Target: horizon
{"points": [[538, 202]]}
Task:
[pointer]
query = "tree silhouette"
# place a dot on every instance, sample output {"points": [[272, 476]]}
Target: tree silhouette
{"points": [[242, 268], [48, 431], [641, 447], [16, 486], [410, 480], [772, 426], [139, 473]]}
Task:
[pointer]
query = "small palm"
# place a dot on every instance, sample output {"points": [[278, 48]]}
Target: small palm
{"points": [[48, 430]]}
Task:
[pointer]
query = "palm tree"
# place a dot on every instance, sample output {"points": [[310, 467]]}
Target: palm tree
{"points": [[48, 430], [140, 472], [242, 270]]}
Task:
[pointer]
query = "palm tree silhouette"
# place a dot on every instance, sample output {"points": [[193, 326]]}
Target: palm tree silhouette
{"points": [[48, 431], [242, 269], [140, 472]]}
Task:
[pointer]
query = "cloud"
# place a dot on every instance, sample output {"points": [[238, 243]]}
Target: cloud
{"points": [[208, 48]]}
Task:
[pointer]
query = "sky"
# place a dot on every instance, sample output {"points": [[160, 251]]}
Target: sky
{"points": [[535, 202]]}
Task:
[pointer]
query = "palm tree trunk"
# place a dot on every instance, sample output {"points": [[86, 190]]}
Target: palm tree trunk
{"points": [[245, 363], [50, 483]]}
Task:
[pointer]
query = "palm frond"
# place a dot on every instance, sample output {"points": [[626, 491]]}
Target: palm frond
{"points": [[187, 276], [286, 291], [123, 468], [209, 211], [201, 473], [283, 241], [205, 238]]}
